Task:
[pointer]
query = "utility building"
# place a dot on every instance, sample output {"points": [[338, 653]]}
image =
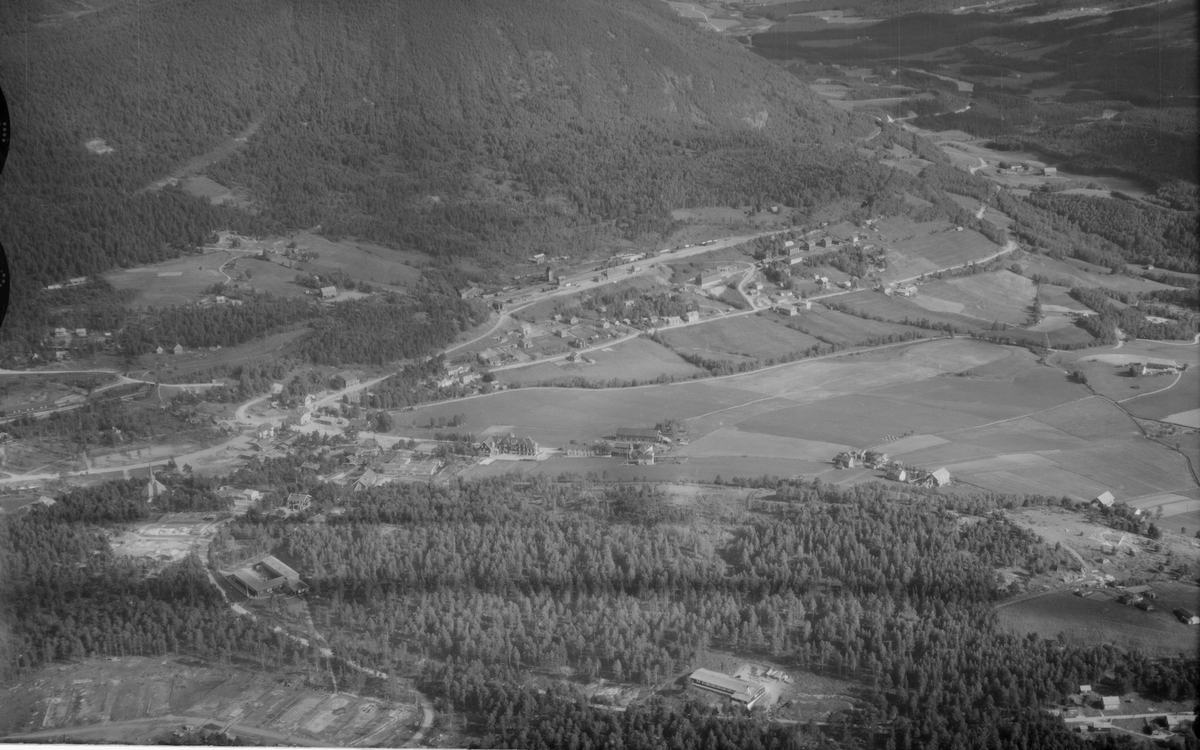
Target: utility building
{"points": [[739, 691]]}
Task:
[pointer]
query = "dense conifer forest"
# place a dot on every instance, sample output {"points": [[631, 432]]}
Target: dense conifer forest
{"points": [[488, 581]]}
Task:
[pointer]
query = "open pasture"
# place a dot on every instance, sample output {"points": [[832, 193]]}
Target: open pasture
{"points": [[1078, 450], [835, 327], [1093, 622], [898, 309], [999, 296], [637, 359], [751, 336], [989, 214], [732, 441], [363, 260], [1177, 404], [1058, 299], [1072, 272], [915, 248], [1007, 424], [174, 281], [703, 469]]}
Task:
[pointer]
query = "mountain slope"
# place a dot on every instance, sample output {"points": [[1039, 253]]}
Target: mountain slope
{"points": [[451, 127]]}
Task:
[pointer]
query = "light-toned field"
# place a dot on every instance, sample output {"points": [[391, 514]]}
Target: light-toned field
{"points": [[989, 214], [637, 359], [875, 304], [990, 414], [751, 336], [1078, 273], [999, 296], [839, 328], [136, 700], [173, 281], [363, 260], [1058, 299], [1093, 622], [916, 248], [1077, 450]]}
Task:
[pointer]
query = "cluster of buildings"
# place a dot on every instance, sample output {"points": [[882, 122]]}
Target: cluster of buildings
{"points": [[64, 341], [895, 471], [1156, 367]]}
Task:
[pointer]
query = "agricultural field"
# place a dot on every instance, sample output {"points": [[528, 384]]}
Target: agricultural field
{"points": [[917, 248], [1001, 296], [1168, 398], [638, 359], [1072, 272], [990, 414], [364, 261], [184, 279], [1057, 299], [1095, 622], [136, 700], [760, 336], [990, 214], [1079, 450], [875, 304], [838, 328]]}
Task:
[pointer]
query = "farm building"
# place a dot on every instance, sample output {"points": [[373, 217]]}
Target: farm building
{"points": [[349, 378], [1049, 171], [643, 455], [785, 308], [266, 577], [178, 349], [709, 280], [941, 477], [1187, 616], [897, 474], [265, 431], [328, 292], [1111, 702], [621, 448], [635, 433], [847, 460], [298, 501], [1168, 367], [740, 691], [510, 443], [875, 459], [693, 316], [1106, 499]]}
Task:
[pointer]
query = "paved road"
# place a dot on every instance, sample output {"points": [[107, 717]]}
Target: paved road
{"points": [[1173, 718]]}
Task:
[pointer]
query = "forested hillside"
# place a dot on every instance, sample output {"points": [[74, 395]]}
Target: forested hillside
{"points": [[451, 128]]}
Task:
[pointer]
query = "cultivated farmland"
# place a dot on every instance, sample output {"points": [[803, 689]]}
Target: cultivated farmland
{"points": [[918, 248], [1096, 622], [744, 337], [1001, 296], [838, 328], [175, 281], [638, 359], [876, 305]]}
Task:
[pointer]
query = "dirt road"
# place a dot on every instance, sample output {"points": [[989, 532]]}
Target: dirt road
{"points": [[120, 731]]}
